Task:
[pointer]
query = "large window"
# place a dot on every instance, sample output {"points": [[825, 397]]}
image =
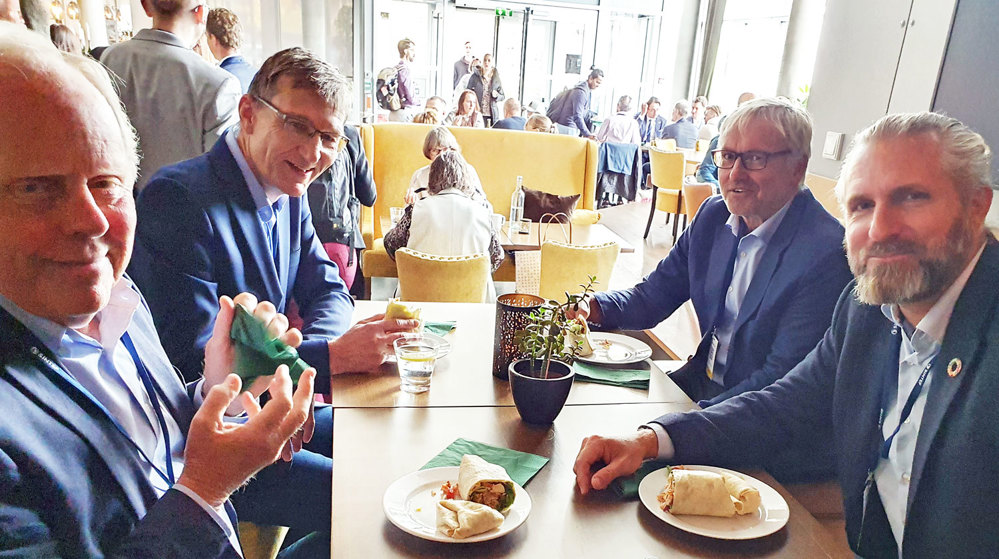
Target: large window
{"points": [[750, 49]]}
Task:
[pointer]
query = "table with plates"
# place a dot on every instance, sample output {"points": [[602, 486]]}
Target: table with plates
{"points": [[382, 434]]}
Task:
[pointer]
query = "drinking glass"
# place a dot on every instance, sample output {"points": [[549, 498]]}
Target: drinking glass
{"points": [[497, 222], [396, 214], [416, 356]]}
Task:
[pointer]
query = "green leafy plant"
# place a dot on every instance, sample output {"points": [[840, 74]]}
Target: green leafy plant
{"points": [[544, 337]]}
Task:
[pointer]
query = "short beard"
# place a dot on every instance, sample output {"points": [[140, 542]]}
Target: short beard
{"points": [[900, 284]]}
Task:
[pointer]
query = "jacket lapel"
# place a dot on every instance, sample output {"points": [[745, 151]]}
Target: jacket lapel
{"points": [[243, 211], [56, 391], [963, 340], [772, 257], [719, 270]]}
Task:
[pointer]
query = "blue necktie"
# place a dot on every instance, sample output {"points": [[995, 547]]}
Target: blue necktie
{"points": [[276, 211]]}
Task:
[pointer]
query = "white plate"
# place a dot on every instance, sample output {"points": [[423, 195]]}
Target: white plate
{"points": [[443, 347], [620, 349], [409, 505], [770, 517]]}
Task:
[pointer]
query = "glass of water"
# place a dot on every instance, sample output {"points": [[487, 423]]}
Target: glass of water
{"points": [[416, 356], [395, 214]]}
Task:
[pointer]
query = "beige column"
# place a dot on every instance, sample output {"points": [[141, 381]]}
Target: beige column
{"points": [[799, 47]]}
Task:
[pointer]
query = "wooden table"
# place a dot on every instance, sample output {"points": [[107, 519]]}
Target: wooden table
{"points": [[374, 447], [595, 234], [464, 378]]}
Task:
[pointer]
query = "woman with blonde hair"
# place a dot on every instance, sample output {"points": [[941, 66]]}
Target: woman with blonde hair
{"points": [[439, 140], [539, 123], [467, 112], [485, 82]]}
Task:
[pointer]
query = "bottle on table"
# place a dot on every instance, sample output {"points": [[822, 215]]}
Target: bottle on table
{"points": [[517, 205]]}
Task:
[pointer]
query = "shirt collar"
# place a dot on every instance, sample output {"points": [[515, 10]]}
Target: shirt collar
{"points": [[766, 230], [934, 324], [263, 196], [114, 319]]}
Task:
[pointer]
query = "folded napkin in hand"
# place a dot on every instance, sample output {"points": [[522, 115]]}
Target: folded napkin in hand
{"points": [[441, 328], [257, 353], [627, 487], [520, 465], [635, 377]]}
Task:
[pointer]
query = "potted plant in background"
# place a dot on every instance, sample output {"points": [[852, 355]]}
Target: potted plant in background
{"points": [[541, 382]]}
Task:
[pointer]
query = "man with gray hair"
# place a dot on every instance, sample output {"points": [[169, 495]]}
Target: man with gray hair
{"points": [[682, 129], [511, 116], [103, 451], [620, 128], [907, 374], [179, 104], [762, 264]]}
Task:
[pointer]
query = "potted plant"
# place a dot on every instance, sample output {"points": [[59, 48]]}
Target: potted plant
{"points": [[541, 382]]}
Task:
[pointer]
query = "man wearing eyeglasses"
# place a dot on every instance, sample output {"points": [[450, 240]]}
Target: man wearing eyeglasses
{"points": [[235, 219], [763, 263]]}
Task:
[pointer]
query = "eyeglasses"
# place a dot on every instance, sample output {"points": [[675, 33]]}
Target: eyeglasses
{"points": [[751, 160], [304, 131]]}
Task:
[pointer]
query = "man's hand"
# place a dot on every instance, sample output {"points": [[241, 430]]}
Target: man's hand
{"points": [[367, 344], [221, 456], [586, 309], [622, 456], [220, 353]]}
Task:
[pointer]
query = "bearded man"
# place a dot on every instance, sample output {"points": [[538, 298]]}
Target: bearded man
{"points": [[906, 375]]}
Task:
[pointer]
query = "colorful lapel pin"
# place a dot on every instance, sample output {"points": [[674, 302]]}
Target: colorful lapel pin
{"points": [[954, 367]]}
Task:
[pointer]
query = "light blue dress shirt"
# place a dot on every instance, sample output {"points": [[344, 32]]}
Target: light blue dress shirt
{"points": [[920, 345], [748, 255], [267, 198]]}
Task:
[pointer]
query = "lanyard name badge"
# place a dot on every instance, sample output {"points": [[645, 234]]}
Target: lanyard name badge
{"points": [[906, 409], [720, 313], [147, 383]]}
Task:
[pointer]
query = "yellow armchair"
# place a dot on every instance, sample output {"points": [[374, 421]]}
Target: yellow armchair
{"points": [[565, 267], [259, 541], [448, 279]]}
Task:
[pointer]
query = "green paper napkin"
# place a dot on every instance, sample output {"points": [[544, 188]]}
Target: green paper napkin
{"points": [[630, 377], [442, 328], [520, 465], [257, 353], [627, 487]]}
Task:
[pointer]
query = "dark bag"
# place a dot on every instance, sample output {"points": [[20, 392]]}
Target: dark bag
{"points": [[335, 208], [387, 89]]}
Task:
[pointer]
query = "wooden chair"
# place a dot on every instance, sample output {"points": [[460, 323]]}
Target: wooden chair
{"points": [[667, 180], [565, 267], [693, 196], [449, 279], [259, 541]]}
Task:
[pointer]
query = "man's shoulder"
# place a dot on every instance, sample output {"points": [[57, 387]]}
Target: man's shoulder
{"points": [[196, 178]]}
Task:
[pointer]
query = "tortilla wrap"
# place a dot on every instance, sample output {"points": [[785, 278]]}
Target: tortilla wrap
{"points": [[696, 492], [580, 333], [476, 478], [463, 519], [747, 498]]}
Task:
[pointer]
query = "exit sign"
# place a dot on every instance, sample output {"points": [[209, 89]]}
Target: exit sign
{"points": [[504, 12]]}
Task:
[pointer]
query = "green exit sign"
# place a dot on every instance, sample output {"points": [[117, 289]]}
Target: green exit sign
{"points": [[504, 12]]}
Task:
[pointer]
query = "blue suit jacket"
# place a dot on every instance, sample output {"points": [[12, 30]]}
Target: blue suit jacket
{"points": [[785, 311], [70, 484], [651, 129], [953, 501], [684, 132], [512, 123], [239, 67], [198, 237]]}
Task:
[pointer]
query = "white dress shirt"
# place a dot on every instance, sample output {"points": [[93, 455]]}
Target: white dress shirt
{"points": [[620, 129], [920, 345]]}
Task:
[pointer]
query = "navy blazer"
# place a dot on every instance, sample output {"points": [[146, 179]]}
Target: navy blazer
{"points": [[953, 501], [198, 237], [651, 129], [239, 67], [684, 132], [70, 484], [785, 311]]}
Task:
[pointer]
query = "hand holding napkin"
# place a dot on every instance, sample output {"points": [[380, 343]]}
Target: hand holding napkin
{"points": [[257, 352]]}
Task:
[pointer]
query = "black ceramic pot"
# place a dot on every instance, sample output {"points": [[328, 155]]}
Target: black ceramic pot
{"points": [[540, 400]]}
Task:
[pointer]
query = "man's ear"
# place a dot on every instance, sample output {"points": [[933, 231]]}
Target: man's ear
{"points": [[147, 8], [200, 13], [247, 114]]}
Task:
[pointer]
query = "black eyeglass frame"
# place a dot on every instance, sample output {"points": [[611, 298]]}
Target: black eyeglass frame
{"points": [[331, 143], [763, 157]]}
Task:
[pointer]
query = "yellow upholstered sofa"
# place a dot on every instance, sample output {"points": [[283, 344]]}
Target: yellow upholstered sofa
{"points": [[552, 163]]}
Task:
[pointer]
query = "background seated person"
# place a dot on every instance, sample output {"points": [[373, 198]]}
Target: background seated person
{"points": [[712, 120], [429, 116], [511, 116], [448, 222], [683, 130], [540, 123], [467, 113], [438, 104], [620, 128], [439, 140]]}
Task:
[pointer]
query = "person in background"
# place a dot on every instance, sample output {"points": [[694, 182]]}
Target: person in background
{"points": [[540, 123], [712, 119], [64, 39], [682, 129], [10, 11], [570, 109], [448, 222], [707, 171], [650, 123], [903, 383], [763, 264], [404, 77], [429, 116], [35, 15], [438, 104], [488, 87], [335, 199], [511, 116], [697, 111], [225, 35], [620, 128], [463, 82], [180, 106], [437, 141], [463, 66], [467, 112]]}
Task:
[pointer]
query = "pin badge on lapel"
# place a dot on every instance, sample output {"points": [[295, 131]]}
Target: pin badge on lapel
{"points": [[954, 367]]}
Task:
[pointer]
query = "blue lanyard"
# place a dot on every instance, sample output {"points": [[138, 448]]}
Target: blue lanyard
{"points": [[147, 382], [906, 409]]}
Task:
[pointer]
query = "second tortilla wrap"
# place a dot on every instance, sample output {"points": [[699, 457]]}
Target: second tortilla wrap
{"points": [[477, 478]]}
